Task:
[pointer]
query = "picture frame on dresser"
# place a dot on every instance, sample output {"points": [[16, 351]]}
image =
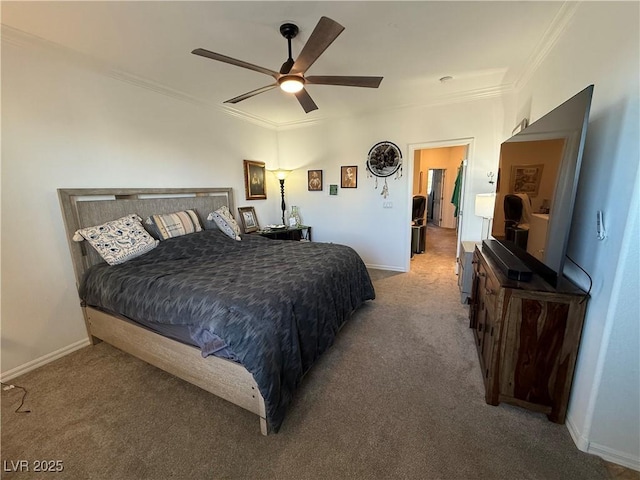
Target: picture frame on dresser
{"points": [[248, 219]]}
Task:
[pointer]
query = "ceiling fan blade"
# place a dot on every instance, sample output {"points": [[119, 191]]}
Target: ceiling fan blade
{"points": [[233, 61], [306, 101], [323, 35], [251, 94], [369, 82]]}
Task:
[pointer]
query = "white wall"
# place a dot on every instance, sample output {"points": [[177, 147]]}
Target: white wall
{"points": [[64, 126], [601, 46], [356, 217]]}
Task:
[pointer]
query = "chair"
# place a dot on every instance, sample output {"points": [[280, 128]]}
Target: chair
{"points": [[513, 213], [418, 227], [419, 206]]}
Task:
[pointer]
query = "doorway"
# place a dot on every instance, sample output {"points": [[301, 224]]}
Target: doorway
{"points": [[439, 170]]}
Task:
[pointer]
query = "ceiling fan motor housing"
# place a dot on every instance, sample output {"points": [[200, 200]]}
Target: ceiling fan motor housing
{"points": [[289, 30]]}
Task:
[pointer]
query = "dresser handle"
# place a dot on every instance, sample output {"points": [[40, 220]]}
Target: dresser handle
{"points": [[488, 291], [482, 274]]}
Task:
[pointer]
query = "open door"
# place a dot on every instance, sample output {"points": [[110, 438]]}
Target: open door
{"points": [[436, 195]]}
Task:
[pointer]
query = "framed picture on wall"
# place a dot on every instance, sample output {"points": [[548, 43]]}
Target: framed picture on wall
{"points": [[254, 180], [349, 177], [314, 180], [526, 179]]}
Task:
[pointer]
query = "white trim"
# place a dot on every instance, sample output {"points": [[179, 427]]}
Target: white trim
{"points": [[581, 442], [548, 41], [609, 454], [22, 39], [39, 362], [19, 38], [385, 267], [412, 147], [615, 456]]}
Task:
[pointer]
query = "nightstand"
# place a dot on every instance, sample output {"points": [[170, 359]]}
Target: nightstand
{"points": [[300, 233]]}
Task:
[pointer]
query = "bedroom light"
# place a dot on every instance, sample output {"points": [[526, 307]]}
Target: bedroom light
{"points": [[485, 203], [281, 175], [291, 83]]}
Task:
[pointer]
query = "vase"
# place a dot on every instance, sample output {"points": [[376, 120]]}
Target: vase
{"points": [[294, 217]]}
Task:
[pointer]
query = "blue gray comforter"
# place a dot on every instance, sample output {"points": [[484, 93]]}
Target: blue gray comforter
{"points": [[277, 304]]}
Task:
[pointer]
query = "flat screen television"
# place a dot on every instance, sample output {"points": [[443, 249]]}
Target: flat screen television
{"points": [[535, 192]]}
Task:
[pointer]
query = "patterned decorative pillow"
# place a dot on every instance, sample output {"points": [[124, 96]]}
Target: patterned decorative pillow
{"points": [[174, 224], [226, 222], [119, 240]]}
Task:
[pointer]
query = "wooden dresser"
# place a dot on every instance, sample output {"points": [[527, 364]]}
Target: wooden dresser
{"points": [[527, 335]]}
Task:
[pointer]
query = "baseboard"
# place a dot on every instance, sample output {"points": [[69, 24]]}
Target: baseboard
{"points": [[615, 456], [608, 454], [581, 442], [385, 267], [48, 358]]}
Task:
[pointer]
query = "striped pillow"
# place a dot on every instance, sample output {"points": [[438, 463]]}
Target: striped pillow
{"points": [[174, 224]]}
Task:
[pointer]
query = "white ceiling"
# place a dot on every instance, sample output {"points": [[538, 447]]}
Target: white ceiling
{"points": [[486, 46]]}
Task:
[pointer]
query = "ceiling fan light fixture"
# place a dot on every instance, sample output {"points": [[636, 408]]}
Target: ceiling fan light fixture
{"points": [[291, 83]]}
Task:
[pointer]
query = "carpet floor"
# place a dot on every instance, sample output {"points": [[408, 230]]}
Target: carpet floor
{"points": [[398, 396]]}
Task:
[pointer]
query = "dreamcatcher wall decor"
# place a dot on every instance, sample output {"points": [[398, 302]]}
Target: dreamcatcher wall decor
{"points": [[384, 159]]}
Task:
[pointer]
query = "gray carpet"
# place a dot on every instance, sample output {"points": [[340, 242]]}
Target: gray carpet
{"points": [[399, 396]]}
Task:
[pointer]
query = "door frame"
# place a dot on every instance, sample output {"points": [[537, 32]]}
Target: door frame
{"points": [[454, 142]]}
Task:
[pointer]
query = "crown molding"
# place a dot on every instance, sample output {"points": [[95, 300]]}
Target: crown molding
{"points": [[456, 98], [557, 28], [21, 39]]}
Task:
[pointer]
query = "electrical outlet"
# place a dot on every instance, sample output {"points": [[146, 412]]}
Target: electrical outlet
{"points": [[387, 204], [600, 230]]}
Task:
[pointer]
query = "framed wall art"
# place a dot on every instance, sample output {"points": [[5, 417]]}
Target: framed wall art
{"points": [[314, 180], [383, 160], [248, 219], [254, 180], [349, 176], [526, 179]]}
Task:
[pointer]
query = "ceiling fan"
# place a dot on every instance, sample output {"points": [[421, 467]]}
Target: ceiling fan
{"points": [[291, 77]]}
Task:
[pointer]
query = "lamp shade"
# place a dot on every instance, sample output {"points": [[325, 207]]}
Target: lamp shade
{"points": [[485, 203], [280, 173]]}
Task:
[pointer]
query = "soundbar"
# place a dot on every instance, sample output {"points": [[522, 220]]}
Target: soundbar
{"points": [[507, 261]]}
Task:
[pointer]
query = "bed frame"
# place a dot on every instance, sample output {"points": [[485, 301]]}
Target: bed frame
{"points": [[86, 207]]}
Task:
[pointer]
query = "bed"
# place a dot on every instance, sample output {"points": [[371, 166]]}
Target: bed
{"points": [[244, 320]]}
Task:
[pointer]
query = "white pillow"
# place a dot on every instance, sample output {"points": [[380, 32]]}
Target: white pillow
{"points": [[119, 240], [226, 222]]}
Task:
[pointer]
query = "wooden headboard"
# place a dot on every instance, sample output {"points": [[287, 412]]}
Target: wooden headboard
{"points": [[86, 207]]}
